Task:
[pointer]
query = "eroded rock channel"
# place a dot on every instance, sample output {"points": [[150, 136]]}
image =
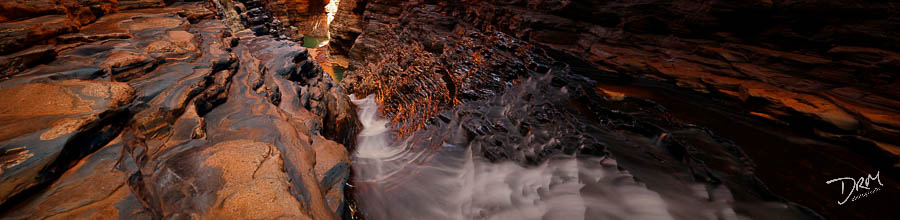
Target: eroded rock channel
{"points": [[217, 109]]}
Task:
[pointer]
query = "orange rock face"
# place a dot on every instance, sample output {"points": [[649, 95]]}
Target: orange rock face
{"points": [[834, 79], [166, 113], [39, 118], [308, 16]]}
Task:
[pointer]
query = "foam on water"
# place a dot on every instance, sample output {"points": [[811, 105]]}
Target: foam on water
{"points": [[395, 180]]}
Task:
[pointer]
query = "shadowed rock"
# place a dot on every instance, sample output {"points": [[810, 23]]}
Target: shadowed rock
{"points": [[48, 127], [212, 124]]}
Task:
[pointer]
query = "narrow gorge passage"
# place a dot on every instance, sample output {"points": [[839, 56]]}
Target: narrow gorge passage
{"points": [[470, 109]]}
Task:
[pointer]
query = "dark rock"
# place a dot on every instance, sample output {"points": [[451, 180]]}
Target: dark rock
{"points": [[793, 64], [133, 4], [94, 188], [18, 62], [49, 126], [189, 145], [21, 9], [21, 34], [557, 117]]}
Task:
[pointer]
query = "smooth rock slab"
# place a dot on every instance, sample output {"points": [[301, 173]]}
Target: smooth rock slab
{"points": [[46, 124]]}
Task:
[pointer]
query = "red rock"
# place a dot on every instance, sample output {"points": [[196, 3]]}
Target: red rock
{"points": [[811, 105], [308, 16], [13, 10], [48, 115], [347, 25], [94, 188], [858, 102], [22, 34], [19, 61], [332, 170], [807, 59], [255, 184]]}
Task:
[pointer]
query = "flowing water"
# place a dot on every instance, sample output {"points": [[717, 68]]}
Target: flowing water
{"points": [[454, 184], [437, 173]]}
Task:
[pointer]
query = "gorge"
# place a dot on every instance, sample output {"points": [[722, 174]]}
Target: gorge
{"points": [[472, 109]]}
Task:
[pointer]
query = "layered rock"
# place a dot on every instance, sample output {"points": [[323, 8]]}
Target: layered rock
{"points": [[819, 69], [561, 130], [80, 11], [781, 58], [346, 26], [301, 17], [250, 14], [427, 65], [27, 25], [166, 113], [698, 46]]}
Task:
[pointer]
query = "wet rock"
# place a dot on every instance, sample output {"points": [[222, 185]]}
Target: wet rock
{"points": [[50, 126], [307, 16], [806, 104], [94, 188], [689, 45], [121, 61], [19, 61], [187, 82], [18, 9], [21, 34], [132, 4], [250, 14], [80, 11], [332, 170], [239, 178], [547, 119], [781, 63], [346, 26], [418, 69]]}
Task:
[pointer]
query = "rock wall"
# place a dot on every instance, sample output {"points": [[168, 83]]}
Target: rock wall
{"points": [[307, 17], [346, 26], [250, 14], [823, 69], [26, 23], [168, 113], [827, 67]]}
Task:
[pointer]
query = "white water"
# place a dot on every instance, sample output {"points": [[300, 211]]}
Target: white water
{"points": [[396, 181]]}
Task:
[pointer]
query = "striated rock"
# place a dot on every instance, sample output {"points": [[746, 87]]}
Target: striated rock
{"points": [[332, 170], [19, 9], [346, 26], [819, 68], [190, 146], [132, 4], [691, 45], [50, 126], [220, 118], [80, 11], [21, 34], [20, 61], [443, 63], [805, 104], [94, 188], [87, 11]]}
